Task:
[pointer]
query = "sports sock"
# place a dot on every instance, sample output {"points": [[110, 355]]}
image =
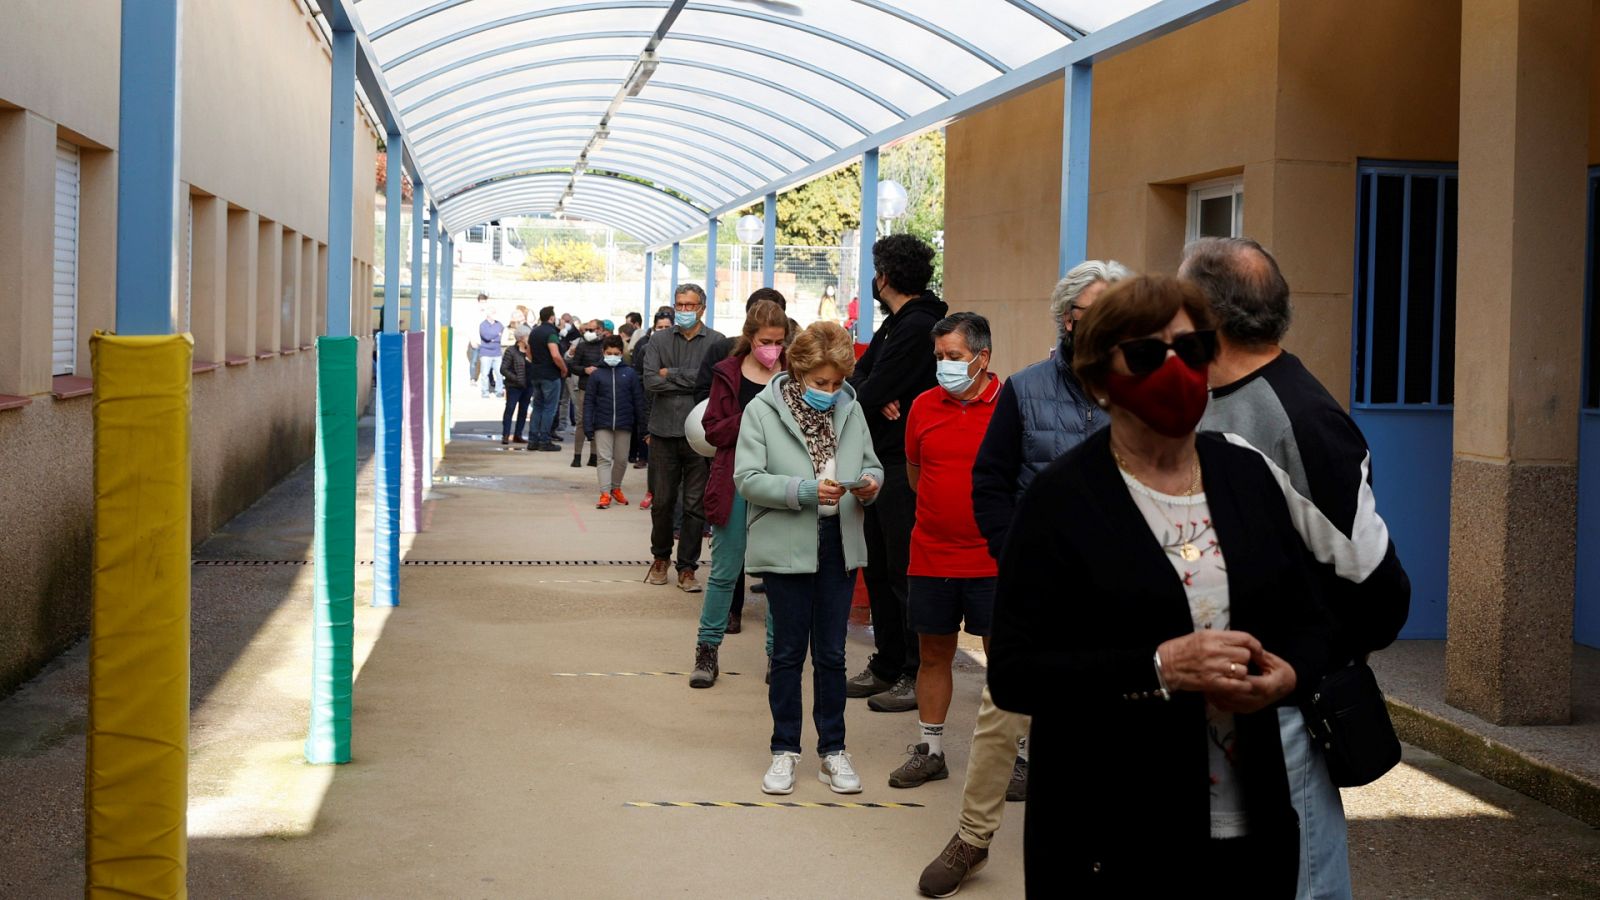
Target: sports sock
{"points": [[1022, 749], [933, 736]]}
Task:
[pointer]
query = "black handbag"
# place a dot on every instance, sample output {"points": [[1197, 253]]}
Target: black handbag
{"points": [[1348, 719]]}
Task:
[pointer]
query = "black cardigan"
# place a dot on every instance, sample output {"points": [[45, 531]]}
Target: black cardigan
{"points": [[1118, 799]]}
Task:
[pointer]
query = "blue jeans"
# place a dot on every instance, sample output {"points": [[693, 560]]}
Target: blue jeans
{"points": [[489, 374], [814, 609], [546, 394], [727, 564], [1324, 851], [516, 402]]}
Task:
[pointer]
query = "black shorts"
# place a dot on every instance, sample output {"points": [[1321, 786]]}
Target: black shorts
{"points": [[940, 605]]}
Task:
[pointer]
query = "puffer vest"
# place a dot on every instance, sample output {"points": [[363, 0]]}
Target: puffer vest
{"points": [[1057, 414]]}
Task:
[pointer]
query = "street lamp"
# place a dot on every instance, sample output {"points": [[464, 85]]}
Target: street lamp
{"points": [[892, 202], [749, 230]]}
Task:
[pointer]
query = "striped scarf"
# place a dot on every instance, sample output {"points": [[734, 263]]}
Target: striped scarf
{"points": [[815, 425]]}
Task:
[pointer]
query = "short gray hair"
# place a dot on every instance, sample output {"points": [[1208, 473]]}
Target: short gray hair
{"points": [[1079, 278], [689, 287], [973, 328], [1246, 289]]}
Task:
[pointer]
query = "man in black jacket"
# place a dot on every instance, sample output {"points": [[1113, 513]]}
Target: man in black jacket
{"points": [[584, 357], [897, 367]]}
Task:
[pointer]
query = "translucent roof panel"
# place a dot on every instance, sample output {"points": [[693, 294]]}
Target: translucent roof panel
{"points": [[502, 99]]}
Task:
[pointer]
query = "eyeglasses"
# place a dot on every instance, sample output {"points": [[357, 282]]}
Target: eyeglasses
{"points": [[1145, 355], [687, 307]]}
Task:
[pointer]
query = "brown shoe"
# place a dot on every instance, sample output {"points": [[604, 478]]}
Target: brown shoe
{"points": [[735, 623], [959, 861], [658, 572], [686, 582]]}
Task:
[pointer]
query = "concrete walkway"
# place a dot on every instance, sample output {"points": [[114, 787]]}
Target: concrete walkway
{"points": [[489, 764]]}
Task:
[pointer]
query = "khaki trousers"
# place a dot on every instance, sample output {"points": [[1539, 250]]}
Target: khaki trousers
{"points": [[994, 752]]}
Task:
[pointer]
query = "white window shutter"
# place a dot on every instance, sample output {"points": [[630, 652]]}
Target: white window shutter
{"points": [[64, 331], [184, 324]]}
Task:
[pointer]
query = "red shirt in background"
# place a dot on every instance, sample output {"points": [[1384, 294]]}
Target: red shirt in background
{"points": [[942, 438]]}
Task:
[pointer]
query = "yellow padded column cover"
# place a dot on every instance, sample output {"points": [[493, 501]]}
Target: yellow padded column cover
{"points": [[136, 791]]}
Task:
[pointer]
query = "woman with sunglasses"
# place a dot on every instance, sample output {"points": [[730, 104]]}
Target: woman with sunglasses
{"points": [[1187, 616]]}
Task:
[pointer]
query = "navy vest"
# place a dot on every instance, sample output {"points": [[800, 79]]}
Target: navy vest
{"points": [[1057, 415]]}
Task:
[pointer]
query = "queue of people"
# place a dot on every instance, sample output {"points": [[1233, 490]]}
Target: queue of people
{"points": [[1164, 537]]}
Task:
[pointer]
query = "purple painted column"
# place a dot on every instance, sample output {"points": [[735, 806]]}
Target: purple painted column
{"points": [[412, 464]]}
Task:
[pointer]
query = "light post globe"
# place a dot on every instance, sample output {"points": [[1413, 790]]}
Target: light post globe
{"points": [[892, 199], [750, 229]]}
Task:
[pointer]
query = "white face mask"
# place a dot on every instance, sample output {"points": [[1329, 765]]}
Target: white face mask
{"points": [[955, 375], [613, 360], [590, 336]]}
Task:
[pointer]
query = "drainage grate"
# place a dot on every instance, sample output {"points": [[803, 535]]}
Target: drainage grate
{"points": [[546, 563]]}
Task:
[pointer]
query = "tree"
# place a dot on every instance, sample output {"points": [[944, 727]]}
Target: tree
{"points": [[564, 260]]}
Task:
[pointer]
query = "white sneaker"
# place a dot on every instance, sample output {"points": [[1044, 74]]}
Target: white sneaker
{"points": [[838, 774], [780, 776]]}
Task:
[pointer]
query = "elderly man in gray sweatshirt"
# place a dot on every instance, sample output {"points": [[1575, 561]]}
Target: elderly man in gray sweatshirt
{"points": [[671, 365]]}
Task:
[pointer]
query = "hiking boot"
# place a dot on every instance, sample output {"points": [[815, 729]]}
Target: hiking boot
{"points": [[900, 698], [605, 502], [705, 666], [619, 496], [920, 769], [593, 461], [649, 498], [1017, 790], [686, 582], [780, 775], [956, 863], [838, 774], [577, 461], [658, 572], [735, 623], [865, 684], [505, 439]]}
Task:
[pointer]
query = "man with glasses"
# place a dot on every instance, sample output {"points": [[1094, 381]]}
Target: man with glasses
{"points": [[671, 366], [1041, 413]]}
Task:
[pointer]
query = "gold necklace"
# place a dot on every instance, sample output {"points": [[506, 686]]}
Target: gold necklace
{"points": [[1187, 551]]}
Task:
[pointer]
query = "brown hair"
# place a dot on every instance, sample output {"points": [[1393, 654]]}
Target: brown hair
{"points": [[762, 314], [822, 343], [1130, 309], [612, 342]]}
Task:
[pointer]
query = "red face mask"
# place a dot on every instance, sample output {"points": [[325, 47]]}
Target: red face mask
{"points": [[1171, 399]]}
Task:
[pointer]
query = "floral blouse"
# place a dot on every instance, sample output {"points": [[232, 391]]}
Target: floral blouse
{"points": [[1182, 526]]}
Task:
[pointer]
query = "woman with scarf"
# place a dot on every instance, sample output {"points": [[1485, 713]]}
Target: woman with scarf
{"points": [[806, 468], [756, 358]]}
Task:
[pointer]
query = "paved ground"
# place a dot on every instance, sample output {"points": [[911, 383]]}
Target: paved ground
{"points": [[481, 770]]}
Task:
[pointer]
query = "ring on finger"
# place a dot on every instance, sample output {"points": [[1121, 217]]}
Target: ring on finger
{"points": [[1233, 669]]}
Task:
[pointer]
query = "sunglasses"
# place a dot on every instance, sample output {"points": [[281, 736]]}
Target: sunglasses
{"points": [[1145, 355]]}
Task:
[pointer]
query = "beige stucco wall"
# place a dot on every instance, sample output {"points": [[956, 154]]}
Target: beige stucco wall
{"points": [[1276, 91], [255, 142]]}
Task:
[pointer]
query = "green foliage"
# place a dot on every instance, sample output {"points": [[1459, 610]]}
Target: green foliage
{"points": [[564, 260], [918, 165]]}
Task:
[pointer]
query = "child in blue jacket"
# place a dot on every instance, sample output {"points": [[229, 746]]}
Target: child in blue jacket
{"points": [[613, 406]]}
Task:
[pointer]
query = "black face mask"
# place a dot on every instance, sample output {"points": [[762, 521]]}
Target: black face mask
{"points": [[1066, 345]]}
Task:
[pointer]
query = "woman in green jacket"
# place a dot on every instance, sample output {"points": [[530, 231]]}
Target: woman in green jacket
{"points": [[806, 468]]}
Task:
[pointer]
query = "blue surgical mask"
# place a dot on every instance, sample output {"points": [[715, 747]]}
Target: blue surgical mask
{"points": [[821, 401], [613, 360], [686, 320], [953, 376]]}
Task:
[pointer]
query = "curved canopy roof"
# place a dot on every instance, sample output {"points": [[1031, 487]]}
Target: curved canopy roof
{"points": [[512, 106]]}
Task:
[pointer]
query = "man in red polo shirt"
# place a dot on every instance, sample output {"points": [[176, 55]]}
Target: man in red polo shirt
{"points": [[952, 575]]}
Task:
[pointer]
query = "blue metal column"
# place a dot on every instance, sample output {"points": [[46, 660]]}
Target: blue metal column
{"points": [[769, 241], [869, 236], [711, 270], [387, 392], [334, 535], [388, 386], [419, 264], [136, 790], [147, 169], [1075, 166], [649, 301], [676, 250]]}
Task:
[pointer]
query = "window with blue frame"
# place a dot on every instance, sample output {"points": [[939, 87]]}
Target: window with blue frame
{"points": [[1591, 310], [1405, 304]]}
